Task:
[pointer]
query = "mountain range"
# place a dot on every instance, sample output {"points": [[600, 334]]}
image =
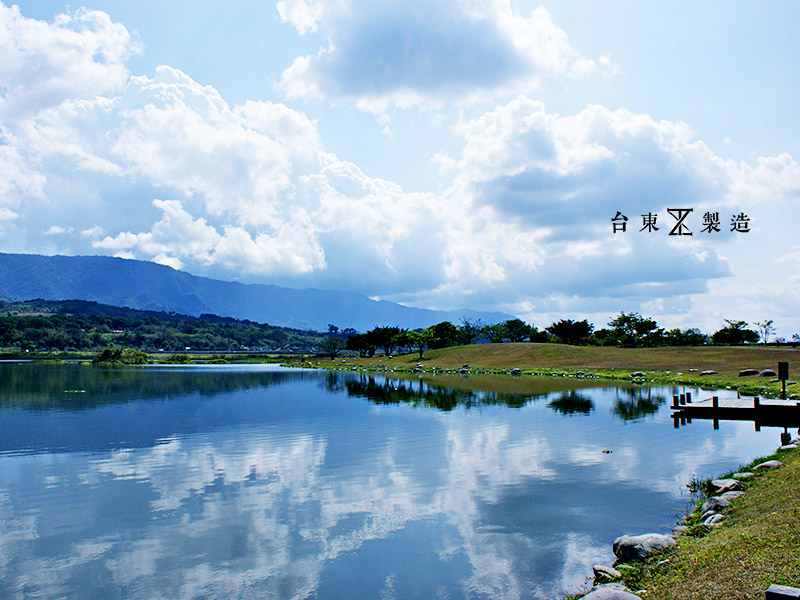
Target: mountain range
{"points": [[149, 286]]}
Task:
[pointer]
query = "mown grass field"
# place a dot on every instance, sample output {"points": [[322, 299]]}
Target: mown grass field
{"points": [[668, 365]]}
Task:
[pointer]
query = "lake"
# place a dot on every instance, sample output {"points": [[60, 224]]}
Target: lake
{"points": [[252, 481]]}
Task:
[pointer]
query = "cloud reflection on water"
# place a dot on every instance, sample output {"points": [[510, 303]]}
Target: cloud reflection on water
{"points": [[498, 502]]}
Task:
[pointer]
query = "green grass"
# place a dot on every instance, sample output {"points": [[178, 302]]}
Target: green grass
{"points": [[758, 545], [665, 365]]}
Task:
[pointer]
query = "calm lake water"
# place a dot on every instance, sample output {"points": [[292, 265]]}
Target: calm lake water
{"points": [[229, 482]]}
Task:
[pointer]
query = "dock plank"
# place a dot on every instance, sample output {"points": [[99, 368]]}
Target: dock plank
{"points": [[771, 412]]}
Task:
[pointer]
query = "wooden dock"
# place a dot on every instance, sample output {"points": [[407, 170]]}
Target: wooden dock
{"points": [[764, 412]]}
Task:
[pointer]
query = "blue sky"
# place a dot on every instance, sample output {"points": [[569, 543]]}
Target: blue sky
{"points": [[442, 154]]}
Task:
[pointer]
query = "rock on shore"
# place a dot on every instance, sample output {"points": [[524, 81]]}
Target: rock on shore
{"points": [[636, 547], [610, 591]]}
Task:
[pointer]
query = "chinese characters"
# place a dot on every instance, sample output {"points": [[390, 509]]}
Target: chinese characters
{"points": [[711, 222]]}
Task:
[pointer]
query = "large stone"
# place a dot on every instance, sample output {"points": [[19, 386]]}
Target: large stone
{"points": [[605, 572], [731, 495], [770, 464], [781, 592], [708, 513], [767, 373], [610, 591], [748, 372], [744, 475], [725, 485], [636, 547], [715, 504]]}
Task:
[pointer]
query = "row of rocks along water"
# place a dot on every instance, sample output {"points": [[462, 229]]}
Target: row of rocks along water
{"points": [[632, 548]]}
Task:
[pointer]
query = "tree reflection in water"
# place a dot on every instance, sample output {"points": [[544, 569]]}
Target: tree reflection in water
{"points": [[632, 403], [419, 393], [571, 403], [639, 403]]}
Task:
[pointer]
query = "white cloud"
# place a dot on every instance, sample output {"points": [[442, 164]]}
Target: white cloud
{"points": [[250, 191], [93, 232], [406, 54], [79, 55], [303, 14], [57, 230], [18, 181]]}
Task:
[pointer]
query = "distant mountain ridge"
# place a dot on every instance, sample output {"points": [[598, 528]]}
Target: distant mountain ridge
{"points": [[144, 285]]}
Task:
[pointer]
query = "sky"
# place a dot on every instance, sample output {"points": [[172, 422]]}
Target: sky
{"points": [[442, 154]]}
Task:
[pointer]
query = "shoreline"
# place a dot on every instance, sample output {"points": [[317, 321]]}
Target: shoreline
{"points": [[733, 551]]}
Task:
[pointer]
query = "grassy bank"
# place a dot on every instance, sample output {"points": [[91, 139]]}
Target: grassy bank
{"points": [[683, 365], [757, 545]]}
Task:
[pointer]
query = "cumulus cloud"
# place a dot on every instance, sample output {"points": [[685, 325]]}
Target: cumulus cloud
{"points": [[79, 55], [405, 54], [18, 181], [161, 167], [541, 190]]}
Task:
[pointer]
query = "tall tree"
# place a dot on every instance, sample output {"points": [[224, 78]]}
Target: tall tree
{"points": [[735, 332], [572, 332], [421, 339], [361, 343], [386, 338], [470, 330], [632, 329], [443, 334], [685, 337], [496, 332], [332, 346], [765, 329], [517, 330]]}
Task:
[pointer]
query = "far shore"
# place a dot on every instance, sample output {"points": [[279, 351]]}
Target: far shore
{"points": [[699, 366], [710, 367]]}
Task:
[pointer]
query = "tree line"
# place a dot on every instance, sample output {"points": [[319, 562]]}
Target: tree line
{"points": [[87, 326], [30, 327], [626, 330]]}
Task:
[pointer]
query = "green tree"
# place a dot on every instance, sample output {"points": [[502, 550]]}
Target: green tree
{"points": [[517, 330], [572, 332], [332, 346], [469, 330], [496, 333], [631, 329], [361, 343], [443, 335], [734, 333], [385, 337], [421, 339], [685, 337]]}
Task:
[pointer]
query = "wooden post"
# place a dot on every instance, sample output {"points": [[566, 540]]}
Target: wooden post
{"points": [[756, 402], [675, 402], [688, 397], [683, 398], [715, 401]]}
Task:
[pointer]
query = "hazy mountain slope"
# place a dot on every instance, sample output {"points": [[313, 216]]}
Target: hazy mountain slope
{"points": [[148, 286]]}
